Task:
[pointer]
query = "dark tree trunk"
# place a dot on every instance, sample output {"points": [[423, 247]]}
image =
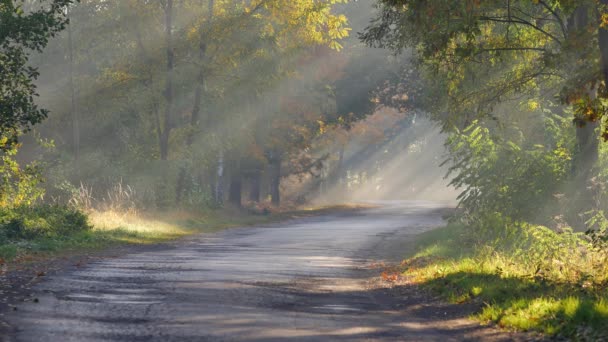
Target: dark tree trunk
{"points": [[254, 193], [587, 140], [236, 187], [587, 150], [200, 84], [198, 95], [75, 117], [603, 45], [181, 184], [275, 181], [147, 81], [168, 118]]}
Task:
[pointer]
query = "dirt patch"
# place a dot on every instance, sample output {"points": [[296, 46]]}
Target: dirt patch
{"points": [[366, 291], [429, 309]]}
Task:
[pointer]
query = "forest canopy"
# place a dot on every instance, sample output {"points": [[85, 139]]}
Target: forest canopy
{"points": [[484, 58]]}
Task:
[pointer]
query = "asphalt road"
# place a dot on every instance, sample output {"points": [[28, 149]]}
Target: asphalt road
{"points": [[303, 280]]}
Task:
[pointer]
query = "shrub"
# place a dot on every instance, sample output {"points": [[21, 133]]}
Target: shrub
{"points": [[19, 185], [41, 221], [517, 179]]}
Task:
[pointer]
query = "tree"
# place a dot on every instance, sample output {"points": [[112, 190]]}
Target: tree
{"points": [[283, 31], [190, 123], [23, 31], [487, 52], [168, 120], [73, 107]]}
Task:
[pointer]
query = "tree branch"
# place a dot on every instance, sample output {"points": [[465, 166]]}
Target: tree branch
{"points": [[557, 17], [518, 20]]}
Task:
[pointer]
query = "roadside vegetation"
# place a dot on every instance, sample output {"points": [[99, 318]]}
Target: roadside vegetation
{"points": [[34, 233], [528, 278], [521, 90], [46, 231]]}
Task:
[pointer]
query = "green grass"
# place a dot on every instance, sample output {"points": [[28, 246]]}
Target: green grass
{"points": [[25, 250], [509, 290]]}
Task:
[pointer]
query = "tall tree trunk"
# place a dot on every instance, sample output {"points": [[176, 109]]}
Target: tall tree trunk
{"points": [[181, 185], [275, 180], [236, 187], [147, 81], [587, 141], [587, 144], [254, 193], [586, 138], [198, 94], [603, 45], [168, 118], [200, 84], [74, 110]]}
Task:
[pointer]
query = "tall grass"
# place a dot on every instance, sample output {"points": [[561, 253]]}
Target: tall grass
{"points": [[531, 278]]}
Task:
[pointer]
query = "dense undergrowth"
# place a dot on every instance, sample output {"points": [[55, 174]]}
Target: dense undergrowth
{"points": [[529, 247], [525, 278]]}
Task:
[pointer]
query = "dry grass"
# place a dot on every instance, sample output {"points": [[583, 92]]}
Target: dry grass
{"points": [[137, 223]]}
